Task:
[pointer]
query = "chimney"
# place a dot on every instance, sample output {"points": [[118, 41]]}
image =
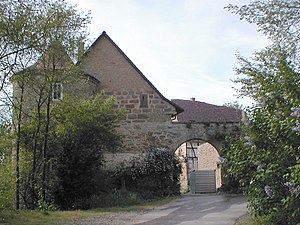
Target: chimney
{"points": [[193, 99]]}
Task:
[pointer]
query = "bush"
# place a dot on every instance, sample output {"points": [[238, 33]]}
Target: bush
{"points": [[7, 181], [84, 131], [156, 176], [266, 158], [7, 189]]}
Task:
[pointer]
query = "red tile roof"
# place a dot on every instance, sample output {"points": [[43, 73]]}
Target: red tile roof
{"points": [[201, 112]]}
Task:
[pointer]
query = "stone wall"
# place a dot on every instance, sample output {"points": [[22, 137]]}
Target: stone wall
{"points": [[208, 158], [142, 106], [148, 114], [148, 120], [139, 136]]}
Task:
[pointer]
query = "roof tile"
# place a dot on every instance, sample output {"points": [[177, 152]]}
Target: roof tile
{"points": [[200, 112]]}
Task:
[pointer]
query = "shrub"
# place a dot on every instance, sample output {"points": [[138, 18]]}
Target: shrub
{"points": [[155, 176], [85, 130], [7, 183], [266, 158]]}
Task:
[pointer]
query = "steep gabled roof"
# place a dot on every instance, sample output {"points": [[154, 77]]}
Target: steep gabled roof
{"points": [[201, 112], [104, 35], [54, 56]]}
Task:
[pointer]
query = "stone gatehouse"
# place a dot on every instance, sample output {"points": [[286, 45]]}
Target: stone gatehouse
{"points": [[151, 119]]}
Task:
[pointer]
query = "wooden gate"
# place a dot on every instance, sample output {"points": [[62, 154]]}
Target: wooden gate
{"points": [[203, 181]]}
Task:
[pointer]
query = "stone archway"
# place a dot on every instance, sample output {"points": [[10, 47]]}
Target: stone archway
{"points": [[201, 157]]}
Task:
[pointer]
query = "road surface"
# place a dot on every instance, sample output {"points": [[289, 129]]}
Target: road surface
{"points": [[204, 209]]}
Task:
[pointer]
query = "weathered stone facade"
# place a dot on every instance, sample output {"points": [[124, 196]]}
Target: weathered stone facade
{"points": [[148, 121], [150, 118]]}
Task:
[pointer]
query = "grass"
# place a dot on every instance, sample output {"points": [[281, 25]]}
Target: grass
{"points": [[38, 217], [250, 220], [28, 217]]}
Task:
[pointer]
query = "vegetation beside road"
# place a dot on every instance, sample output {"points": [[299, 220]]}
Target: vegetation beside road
{"points": [[265, 160], [37, 217], [251, 220]]}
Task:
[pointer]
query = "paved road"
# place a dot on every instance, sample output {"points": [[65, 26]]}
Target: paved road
{"points": [[197, 210]]}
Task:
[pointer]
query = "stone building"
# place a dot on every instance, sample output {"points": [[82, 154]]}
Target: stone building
{"points": [[151, 119], [51, 79], [149, 113]]}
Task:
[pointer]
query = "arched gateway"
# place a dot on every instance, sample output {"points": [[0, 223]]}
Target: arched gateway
{"points": [[206, 127]]}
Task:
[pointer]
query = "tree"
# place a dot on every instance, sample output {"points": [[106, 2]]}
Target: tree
{"points": [[236, 105], [277, 19], [28, 29], [7, 181], [36, 93], [266, 158], [84, 131]]}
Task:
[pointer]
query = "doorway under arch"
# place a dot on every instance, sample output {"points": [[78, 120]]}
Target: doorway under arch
{"points": [[202, 158]]}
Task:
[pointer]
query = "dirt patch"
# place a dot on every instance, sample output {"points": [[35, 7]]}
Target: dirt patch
{"points": [[118, 218]]}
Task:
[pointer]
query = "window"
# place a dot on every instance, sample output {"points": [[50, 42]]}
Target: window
{"points": [[144, 101], [57, 91]]}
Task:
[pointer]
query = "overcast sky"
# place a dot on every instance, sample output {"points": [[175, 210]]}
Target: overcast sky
{"points": [[186, 48]]}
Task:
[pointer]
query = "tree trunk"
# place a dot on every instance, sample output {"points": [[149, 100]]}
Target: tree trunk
{"points": [[18, 142], [45, 148]]}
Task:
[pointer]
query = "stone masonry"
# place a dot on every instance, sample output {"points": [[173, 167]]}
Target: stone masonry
{"points": [[150, 116], [148, 120]]}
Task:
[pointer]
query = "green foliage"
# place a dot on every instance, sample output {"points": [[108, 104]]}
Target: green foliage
{"points": [[6, 171], [236, 105], [255, 220], [85, 131], [266, 158], [38, 217], [37, 39], [278, 19], [79, 132], [155, 176], [29, 27], [7, 183]]}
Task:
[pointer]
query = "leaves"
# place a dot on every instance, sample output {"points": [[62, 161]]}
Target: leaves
{"points": [[85, 130], [279, 20], [154, 175], [28, 28], [272, 79]]}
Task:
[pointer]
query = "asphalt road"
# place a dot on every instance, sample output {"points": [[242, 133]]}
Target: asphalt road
{"points": [[208, 209]]}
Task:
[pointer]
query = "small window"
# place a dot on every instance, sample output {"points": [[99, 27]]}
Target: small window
{"points": [[57, 91], [144, 101]]}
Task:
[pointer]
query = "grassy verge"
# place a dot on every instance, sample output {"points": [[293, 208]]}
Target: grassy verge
{"points": [[250, 220], [38, 217]]}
